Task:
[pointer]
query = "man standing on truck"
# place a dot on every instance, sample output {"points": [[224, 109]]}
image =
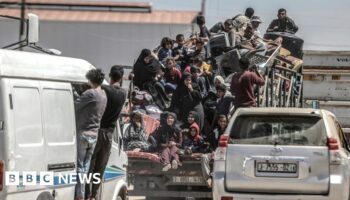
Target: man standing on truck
{"points": [[89, 108], [242, 85], [283, 23], [116, 96], [204, 33]]}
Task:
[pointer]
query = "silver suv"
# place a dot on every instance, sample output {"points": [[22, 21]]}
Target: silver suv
{"points": [[282, 153]]}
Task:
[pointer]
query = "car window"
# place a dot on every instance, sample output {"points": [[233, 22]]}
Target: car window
{"points": [[281, 130], [343, 139]]}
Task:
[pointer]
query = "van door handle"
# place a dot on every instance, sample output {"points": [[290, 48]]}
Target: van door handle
{"points": [[61, 167], [11, 102]]}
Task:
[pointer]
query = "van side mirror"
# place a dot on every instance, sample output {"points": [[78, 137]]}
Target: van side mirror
{"points": [[33, 28]]}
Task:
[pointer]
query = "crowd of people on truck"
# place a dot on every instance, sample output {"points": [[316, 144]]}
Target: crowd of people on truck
{"points": [[194, 100], [179, 85]]}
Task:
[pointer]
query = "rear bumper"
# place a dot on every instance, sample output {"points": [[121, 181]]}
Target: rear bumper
{"points": [[219, 191], [339, 189]]}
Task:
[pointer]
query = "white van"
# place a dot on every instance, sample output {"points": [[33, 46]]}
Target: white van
{"points": [[37, 126]]}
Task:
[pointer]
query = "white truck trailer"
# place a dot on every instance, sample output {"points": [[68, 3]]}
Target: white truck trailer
{"points": [[327, 83]]}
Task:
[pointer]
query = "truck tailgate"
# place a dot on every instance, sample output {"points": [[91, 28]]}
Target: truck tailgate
{"points": [[146, 175]]}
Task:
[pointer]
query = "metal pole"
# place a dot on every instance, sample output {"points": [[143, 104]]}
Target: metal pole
{"points": [[280, 92], [258, 97], [21, 27], [284, 90], [267, 88], [272, 86], [203, 7]]}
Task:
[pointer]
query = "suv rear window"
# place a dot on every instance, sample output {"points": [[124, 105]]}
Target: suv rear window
{"points": [[279, 130]]}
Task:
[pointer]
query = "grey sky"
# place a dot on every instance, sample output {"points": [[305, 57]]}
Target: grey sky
{"points": [[323, 24]]}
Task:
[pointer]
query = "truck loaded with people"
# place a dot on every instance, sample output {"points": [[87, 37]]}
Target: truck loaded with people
{"points": [[183, 93]]}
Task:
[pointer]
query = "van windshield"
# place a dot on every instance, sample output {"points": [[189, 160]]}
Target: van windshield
{"points": [[279, 130]]}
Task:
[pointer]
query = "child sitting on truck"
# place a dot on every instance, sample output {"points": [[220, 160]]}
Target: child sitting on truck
{"points": [[193, 141], [168, 140]]}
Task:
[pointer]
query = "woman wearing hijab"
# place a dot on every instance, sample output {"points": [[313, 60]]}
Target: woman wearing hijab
{"points": [[145, 72], [186, 99], [168, 140], [218, 80], [145, 69], [210, 101], [135, 136]]}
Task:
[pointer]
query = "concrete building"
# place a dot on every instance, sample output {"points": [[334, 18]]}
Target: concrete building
{"points": [[104, 33]]}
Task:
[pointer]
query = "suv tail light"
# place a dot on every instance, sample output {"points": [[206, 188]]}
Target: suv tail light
{"points": [[226, 198], [2, 171], [223, 141], [220, 153], [332, 144], [334, 154]]}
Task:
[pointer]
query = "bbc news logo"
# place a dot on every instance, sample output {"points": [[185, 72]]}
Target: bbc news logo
{"points": [[49, 178]]}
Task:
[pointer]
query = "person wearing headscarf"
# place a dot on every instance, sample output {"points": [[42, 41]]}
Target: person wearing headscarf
{"points": [[240, 25], [145, 68], [168, 139], [145, 76], [186, 99], [193, 141], [218, 80], [135, 136], [192, 118], [210, 100]]}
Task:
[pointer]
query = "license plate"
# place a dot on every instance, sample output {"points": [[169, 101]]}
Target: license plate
{"points": [[187, 179], [276, 167]]}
